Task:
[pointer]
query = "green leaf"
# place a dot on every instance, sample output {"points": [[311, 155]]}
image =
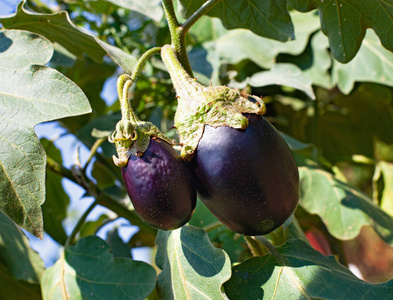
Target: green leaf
{"points": [[25, 48], [119, 248], [351, 124], [321, 62], [191, 267], [387, 194], [90, 227], [207, 29], [12, 289], [30, 96], [59, 28], [89, 271], [372, 63], [240, 44], [268, 18], [16, 255], [280, 74], [149, 8], [343, 209], [345, 23], [54, 209], [297, 271]]}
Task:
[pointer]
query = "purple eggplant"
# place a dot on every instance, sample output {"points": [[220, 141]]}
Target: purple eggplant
{"points": [[247, 178], [160, 186]]}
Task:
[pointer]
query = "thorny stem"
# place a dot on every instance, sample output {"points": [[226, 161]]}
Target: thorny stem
{"points": [[199, 13], [80, 223]]}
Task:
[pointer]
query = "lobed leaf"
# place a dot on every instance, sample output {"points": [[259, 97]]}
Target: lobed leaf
{"points": [[268, 18], [59, 28], [89, 271], [239, 44], [191, 267], [29, 96], [343, 209], [372, 63], [280, 74], [297, 271], [345, 23]]}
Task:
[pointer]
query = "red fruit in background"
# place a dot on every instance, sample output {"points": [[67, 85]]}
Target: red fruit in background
{"points": [[318, 241]]}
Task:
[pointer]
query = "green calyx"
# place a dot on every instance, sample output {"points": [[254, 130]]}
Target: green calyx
{"points": [[131, 136], [199, 105]]}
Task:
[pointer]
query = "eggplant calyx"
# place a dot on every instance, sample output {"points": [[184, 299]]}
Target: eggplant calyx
{"points": [[133, 138], [199, 105]]}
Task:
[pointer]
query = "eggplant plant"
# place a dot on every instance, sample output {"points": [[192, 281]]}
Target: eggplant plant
{"points": [[246, 143]]}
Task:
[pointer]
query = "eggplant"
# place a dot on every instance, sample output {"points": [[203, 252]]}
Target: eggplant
{"points": [[160, 186], [247, 178]]}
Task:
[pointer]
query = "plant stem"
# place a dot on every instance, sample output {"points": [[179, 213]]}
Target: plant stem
{"points": [[212, 226], [198, 14], [141, 61], [256, 248], [80, 223], [178, 35], [93, 152]]}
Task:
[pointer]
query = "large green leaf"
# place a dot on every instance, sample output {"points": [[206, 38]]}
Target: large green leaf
{"points": [[89, 271], [59, 28], [268, 18], [240, 44], [297, 271], [280, 74], [372, 63], [12, 289], [29, 96], [24, 48], [54, 209], [191, 267], [343, 209], [16, 254], [345, 23]]}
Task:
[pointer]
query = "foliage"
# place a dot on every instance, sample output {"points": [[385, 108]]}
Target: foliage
{"points": [[324, 69]]}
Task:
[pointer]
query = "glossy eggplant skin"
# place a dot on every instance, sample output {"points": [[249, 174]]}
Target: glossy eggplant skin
{"points": [[160, 186], [247, 178]]}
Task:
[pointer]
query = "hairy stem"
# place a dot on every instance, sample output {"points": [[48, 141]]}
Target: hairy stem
{"points": [[178, 35], [198, 14]]}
